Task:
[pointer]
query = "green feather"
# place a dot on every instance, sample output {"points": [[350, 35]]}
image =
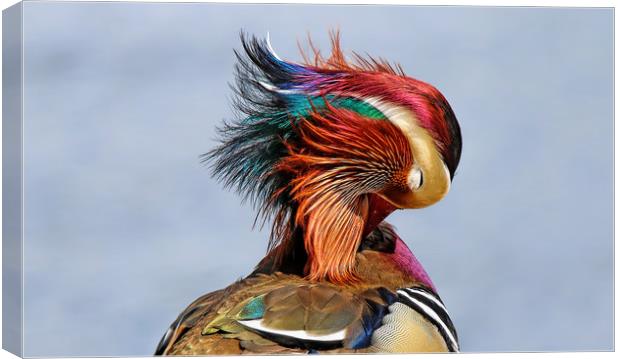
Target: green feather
{"points": [[301, 106], [254, 309]]}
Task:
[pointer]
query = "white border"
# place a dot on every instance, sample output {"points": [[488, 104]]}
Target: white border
{"points": [[506, 3]]}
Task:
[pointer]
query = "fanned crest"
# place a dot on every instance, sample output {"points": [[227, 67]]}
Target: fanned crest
{"points": [[272, 95], [308, 144]]}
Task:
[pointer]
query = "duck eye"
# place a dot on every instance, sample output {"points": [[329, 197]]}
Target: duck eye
{"points": [[416, 179]]}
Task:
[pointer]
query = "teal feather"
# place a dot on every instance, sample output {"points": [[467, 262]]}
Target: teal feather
{"points": [[301, 105], [255, 309]]}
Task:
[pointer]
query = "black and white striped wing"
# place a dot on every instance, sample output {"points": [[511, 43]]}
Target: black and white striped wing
{"points": [[417, 322]]}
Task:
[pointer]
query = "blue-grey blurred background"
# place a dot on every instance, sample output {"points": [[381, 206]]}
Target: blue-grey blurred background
{"points": [[124, 227]]}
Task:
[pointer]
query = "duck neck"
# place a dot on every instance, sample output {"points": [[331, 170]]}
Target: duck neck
{"points": [[407, 261]]}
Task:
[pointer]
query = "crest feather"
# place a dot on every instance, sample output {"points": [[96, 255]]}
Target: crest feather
{"points": [[271, 95], [275, 101]]}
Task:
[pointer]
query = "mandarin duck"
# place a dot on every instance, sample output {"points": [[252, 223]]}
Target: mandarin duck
{"points": [[327, 149]]}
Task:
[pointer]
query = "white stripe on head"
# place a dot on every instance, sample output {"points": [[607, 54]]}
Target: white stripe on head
{"points": [[424, 150]]}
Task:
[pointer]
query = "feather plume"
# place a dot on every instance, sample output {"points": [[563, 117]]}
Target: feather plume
{"points": [[308, 145]]}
